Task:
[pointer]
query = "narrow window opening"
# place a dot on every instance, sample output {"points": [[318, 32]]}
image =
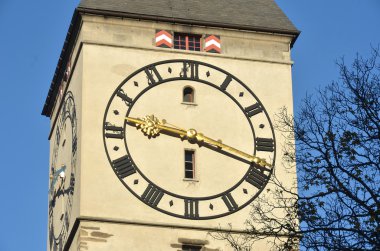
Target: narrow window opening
{"points": [[187, 247], [189, 164], [188, 95], [185, 41]]}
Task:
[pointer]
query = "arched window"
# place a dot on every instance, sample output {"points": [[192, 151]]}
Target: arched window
{"points": [[188, 95]]}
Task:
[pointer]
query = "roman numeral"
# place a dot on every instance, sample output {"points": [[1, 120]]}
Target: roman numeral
{"points": [[66, 220], [58, 246], [253, 109], [116, 132], [74, 145], [72, 183], [256, 178], [264, 144], [192, 209], [226, 82], [152, 195], [124, 97], [70, 200], [152, 73], [194, 70], [230, 202], [57, 135], [123, 167], [51, 234]]}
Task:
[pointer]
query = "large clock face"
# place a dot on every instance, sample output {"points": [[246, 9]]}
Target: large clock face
{"points": [[189, 139], [63, 168]]}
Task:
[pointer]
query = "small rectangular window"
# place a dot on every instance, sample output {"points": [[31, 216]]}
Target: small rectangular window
{"points": [[189, 164], [186, 247], [188, 95], [184, 41]]}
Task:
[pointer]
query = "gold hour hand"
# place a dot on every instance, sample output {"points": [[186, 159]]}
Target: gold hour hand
{"points": [[151, 127], [200, 137]]}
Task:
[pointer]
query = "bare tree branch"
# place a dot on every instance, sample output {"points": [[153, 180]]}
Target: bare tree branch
{"points": [[335, 142]]}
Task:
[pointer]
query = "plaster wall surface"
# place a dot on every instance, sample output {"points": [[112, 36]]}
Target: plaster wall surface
{"points": [[107, 51], [99, 236], [74, 85], [140, 34]]}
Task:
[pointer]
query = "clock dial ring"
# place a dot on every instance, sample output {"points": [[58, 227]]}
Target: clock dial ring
{"points": [[164, 190], [152, 188], [63, 173]]}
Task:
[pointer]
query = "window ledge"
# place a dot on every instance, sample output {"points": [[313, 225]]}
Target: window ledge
{"points": [[189, 103], [190, 180]]}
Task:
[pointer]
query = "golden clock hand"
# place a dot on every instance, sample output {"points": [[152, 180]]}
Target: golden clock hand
{"points": [[151, 126], [200, 137]]}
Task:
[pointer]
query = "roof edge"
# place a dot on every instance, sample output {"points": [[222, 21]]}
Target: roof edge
{"points": [[186, 21], [62, 61], [74, 29]]}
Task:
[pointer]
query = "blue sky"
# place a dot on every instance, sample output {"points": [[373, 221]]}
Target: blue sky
{"points": [[32, 35]]}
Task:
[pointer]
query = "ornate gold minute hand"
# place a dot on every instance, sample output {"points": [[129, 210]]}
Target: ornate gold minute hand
{"points": [[151, 127]]}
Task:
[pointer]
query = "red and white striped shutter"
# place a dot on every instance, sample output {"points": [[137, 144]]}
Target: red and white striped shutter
{"points": [[164, 39], [212, 44]]}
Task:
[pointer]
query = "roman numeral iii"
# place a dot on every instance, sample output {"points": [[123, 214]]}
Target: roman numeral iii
{"points": [[264, 144]]}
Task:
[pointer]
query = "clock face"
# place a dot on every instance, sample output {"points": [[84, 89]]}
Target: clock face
{"points": [[63, 167], [189, 139]]}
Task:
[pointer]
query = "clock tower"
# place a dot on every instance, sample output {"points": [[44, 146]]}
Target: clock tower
{"points": [[162, 122]]}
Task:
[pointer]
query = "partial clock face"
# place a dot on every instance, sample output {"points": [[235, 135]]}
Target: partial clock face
{"points": [[189, 139], [62, 174]]}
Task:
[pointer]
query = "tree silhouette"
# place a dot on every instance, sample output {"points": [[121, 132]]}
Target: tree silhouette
{"points": [[335, 143]]}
